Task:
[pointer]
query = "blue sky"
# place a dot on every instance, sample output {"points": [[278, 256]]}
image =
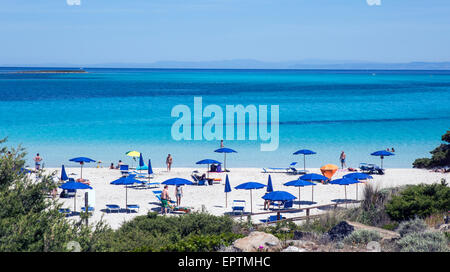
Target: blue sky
{"points": [[142, 31]]}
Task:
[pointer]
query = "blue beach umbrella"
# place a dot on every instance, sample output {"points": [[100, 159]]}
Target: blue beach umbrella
{"points": [[344, 182], [313, 177], [382, 154], [81, 161], [279, 196], [149, 168], [300, 183], [64, 176], [227, 190], [72, 185], [250, 186], [177, 182], [125, 181], [304, 152], [208, 162], [358, 176], [269, 185], [225, 150]]}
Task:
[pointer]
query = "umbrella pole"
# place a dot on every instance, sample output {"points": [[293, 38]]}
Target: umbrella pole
{"points": [[356, 191], [81, 171], [304, 163], [299, 201], [225, 162], [207, 170], [126, 198], [345, 189], [312, 193], [251, 202], [226, 199], [75, 201]]}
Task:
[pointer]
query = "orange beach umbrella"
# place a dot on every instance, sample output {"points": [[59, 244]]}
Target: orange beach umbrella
{"points": [[329, 170]]}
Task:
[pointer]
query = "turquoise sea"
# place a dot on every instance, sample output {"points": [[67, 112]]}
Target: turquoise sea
{"points": [[106, 112]]}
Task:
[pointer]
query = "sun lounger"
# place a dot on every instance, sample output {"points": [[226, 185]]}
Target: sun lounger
{"points": [[67, 212], [274, 218], [133, 207], [371, 168], [158, 196], [112, 207], [90, 209], [279, 169], [238, 206]]}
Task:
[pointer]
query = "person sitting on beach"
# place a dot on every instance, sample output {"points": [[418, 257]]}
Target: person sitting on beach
{"points": [[165, 199], [111, 166], [393, 150], [37, 161], [178, 194], [119, 164]]}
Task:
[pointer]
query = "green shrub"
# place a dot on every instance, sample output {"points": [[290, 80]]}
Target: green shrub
{"points": [[202, 243], [411, 226], [362, 236], [423, 242], [390, 226], [440, 155], [419, 201]]}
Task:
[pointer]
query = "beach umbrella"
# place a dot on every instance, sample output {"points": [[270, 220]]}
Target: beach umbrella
{"points": [[81, 161], [382, 154], [208, 162], [133, 154], [149, 168], [64, 176], [225, 150], [300, 183], [313, 177], [227, 190], [358, 176], [73, 185], [269, 185], [250, 186], [125, 181], [279, 196], [177, 182], [329, 170], [304, 152], [345, 182]]}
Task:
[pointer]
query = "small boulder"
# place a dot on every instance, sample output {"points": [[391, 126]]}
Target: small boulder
{"points": [[257, 241], [293, 249]]}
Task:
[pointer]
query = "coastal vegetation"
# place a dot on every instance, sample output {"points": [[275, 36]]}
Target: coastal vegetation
{"points": [[440, 156], [30, 221]]}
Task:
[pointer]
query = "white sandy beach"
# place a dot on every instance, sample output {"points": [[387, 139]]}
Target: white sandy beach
{"points": [[213, 197]]}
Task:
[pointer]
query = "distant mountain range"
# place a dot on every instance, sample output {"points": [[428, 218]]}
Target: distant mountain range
{"points": [[255, 64]]}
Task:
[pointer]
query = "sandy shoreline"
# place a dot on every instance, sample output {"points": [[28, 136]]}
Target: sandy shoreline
{"points": [[213, 197]]}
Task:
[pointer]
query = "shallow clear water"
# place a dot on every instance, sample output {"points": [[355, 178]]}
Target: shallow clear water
{"points": [[106, 112]]}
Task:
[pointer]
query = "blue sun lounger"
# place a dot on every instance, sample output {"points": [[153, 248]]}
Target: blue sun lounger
{"points": [[133, 207], [66, 212], [90, 209], [112, 207], [238, 206]]}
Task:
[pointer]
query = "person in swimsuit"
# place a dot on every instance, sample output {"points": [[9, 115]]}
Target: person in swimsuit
{"points": [[37, 161], [178, 194], [342, 158], [169, 162], [165, 199]]}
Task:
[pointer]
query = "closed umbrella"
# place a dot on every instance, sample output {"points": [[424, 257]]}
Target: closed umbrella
{"points": [[300, 183], [81, 161], [149, 169], [269, 185], [64, 176], [225, 150], [382, 154], [250, 186], [304, 152], [227, 190]]}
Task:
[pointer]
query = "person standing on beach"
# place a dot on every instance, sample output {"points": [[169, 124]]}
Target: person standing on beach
{"points": [[342, 158], [178, 194], [37, 161], [165, 199], [169, 162], [221, 143]]}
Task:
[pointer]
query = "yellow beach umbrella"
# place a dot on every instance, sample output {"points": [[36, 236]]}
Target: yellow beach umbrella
{"points": [[133, 153]]}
